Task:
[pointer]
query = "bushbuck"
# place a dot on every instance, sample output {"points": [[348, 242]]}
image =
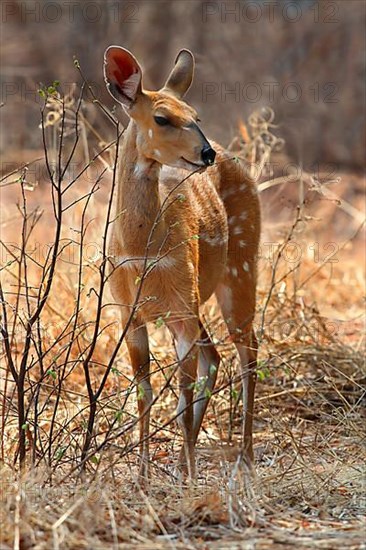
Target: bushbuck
{"points": [[187, 226]]}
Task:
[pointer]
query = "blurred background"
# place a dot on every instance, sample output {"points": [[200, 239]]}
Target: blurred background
{"points": [[305, 59]]}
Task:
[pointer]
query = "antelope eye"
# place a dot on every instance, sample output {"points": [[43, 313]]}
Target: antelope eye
{"points": [[161, 120]]}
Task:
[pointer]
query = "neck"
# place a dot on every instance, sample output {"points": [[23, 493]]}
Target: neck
{"points": [[138, 202]]}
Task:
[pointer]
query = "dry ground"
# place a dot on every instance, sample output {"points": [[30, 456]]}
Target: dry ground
{"points": [[309, 487]]}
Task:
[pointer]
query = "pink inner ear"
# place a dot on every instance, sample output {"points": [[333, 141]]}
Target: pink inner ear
{"points": [[120, 66]]}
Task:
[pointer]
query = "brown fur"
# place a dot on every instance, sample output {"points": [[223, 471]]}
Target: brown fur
{"points": [[199, 232]]}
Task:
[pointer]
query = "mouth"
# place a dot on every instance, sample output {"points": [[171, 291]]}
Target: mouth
{"points": [[193, 164]]}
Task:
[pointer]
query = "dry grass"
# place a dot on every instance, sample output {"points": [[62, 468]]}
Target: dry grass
{"points": [[309, 429]]}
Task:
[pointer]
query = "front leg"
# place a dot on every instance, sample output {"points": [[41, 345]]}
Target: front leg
{"points": [[186, 336], [138, 348], [208, 365]]}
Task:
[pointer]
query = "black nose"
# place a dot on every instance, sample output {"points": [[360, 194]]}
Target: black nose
{"points": [[208, 155]]}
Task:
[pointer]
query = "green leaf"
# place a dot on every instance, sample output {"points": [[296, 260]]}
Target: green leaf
{"points": [[234, 393], [118, 415], [199, 384], [159, 322], [263, 373], [60, 453], [212, 369], [52, 373], [140, 392]]}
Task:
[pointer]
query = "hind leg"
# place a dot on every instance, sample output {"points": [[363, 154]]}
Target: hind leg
{"points": [[248, 359], [237, 302]]}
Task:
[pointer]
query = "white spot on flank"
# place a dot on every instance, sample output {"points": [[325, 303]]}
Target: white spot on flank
{"points": [[237, 230], [242, 243], [150, 133], [243, 216], [242, 187], [246, 266], [231, 220], [214, 241], [234, 272], [157, 153], [227, 192]]}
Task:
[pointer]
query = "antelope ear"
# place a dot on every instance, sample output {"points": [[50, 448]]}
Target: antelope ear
{"points": [[123, 75], [180, 79]]}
